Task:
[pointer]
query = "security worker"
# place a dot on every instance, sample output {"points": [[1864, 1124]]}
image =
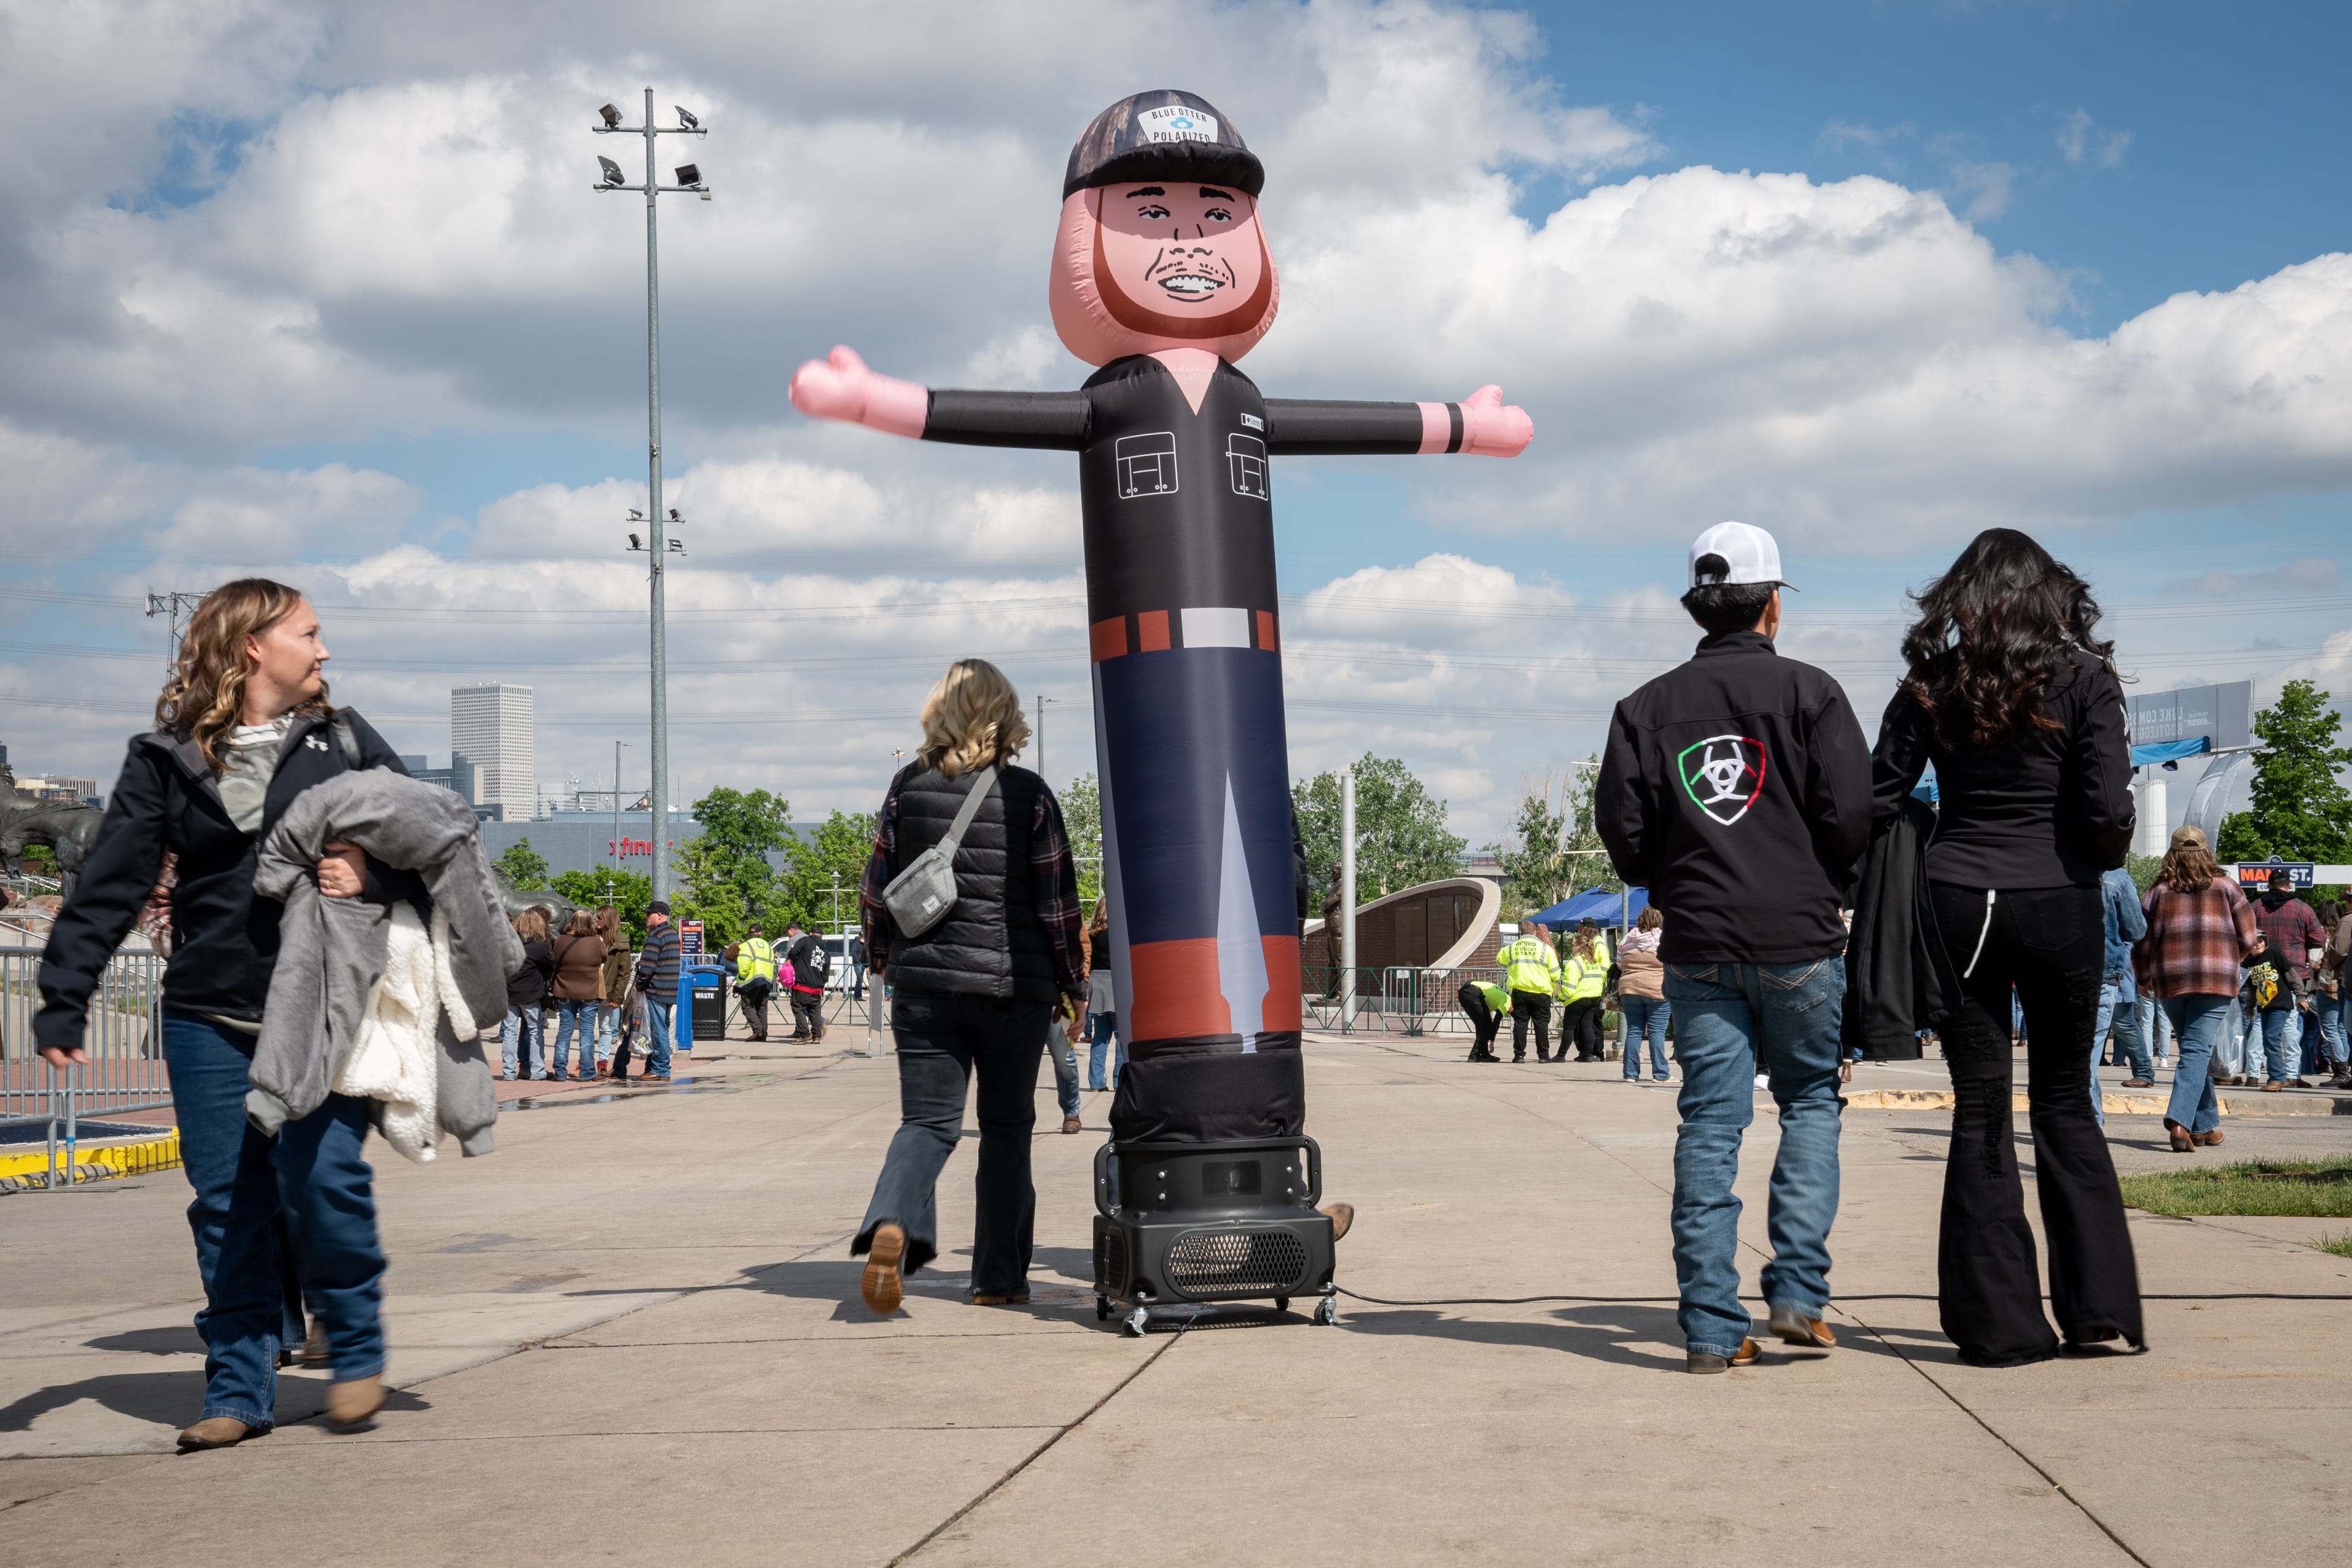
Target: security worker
{"points": [[1484, 1003], [1532, 969], [1584, 974], [755, 980]]}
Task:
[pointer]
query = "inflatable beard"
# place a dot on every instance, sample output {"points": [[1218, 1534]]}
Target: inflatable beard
{"points": [[1163, 278]]}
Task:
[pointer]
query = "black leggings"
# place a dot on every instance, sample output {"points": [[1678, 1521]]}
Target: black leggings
{"points": [[1580, 1022], [2050, 942]]}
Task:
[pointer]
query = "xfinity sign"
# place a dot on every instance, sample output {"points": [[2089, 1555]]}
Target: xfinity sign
{"points": [[2219, 715]]}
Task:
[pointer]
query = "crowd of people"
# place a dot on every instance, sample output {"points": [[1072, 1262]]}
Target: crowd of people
{"points": [[1737, 789]]}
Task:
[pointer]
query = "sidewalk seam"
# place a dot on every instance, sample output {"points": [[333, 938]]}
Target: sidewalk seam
{"points": [[1996, 1434], [1038, 1452]]}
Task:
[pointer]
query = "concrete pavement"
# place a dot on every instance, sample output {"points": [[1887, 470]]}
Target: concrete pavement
{"points": [[634, 1334]]}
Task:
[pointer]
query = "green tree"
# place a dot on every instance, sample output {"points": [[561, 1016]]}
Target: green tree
{"points": [[724, 878], [526, 867], [832, 856], [1400, 833], [2301, 809], [631, 893], [1554, 851], [2144, 870], [1082, 816]]}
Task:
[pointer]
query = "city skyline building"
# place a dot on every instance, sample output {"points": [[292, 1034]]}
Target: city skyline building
{"points": [[491, 738]]}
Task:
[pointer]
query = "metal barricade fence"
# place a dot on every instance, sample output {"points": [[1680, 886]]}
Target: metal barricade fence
{"points": [[1401, 999], [124, 1039]]}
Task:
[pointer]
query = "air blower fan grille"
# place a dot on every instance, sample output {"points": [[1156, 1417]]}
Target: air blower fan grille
{"points": [[1208, 1263]]}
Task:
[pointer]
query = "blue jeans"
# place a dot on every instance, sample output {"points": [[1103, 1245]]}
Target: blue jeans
{"points": [[1723, 1012], [2155, 1028], [2283, 1040], [580, 1018], [2116, 1007], [657, 1036], [2196, 1027], [1102, 1034], [314, 1175], [1065, 1057], [2330, 1010], [944, 1039], [1646, 1019], [518, 1043], [608, 1030]]}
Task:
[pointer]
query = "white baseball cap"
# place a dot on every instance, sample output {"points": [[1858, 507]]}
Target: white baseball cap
{"points": [[1747, 555]]}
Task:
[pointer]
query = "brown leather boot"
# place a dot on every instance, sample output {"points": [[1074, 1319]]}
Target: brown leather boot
{"points": [[1707, 1361], [1799, 1330], [349, 1404], [1072, 1125], [217, 1432], [2182, 1142], [1341, 1216], [881, 1286]]}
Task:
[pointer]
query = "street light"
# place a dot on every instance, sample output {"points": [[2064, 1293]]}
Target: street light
{"points": [[609, 117]]}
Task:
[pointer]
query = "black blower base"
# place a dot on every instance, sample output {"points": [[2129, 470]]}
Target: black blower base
{"points": [[1181, 1229]]}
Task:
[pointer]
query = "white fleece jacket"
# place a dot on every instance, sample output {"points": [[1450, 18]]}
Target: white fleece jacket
{"points": [[394, 1058]]}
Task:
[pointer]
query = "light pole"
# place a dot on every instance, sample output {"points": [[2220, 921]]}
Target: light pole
{"points": [[1042, 700], [1347, 900], [690, 178], [612, 883]]}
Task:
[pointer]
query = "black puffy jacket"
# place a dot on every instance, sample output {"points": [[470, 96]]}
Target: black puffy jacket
{"points": [[225, 940], [991, 943]]}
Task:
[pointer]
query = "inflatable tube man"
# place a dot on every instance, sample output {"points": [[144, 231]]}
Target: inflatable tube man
{"points": [[1162, 276]]}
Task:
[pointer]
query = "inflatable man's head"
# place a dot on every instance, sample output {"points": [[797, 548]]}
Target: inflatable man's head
{"points": [[1160, 245]]}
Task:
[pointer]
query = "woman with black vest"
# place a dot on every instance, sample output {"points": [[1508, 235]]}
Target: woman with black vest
{"points": [[242, 728], [2015, 701], [973, 991]]}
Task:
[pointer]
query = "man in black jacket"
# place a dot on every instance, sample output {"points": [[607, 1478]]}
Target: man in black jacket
{"points": [[1736, 787]]}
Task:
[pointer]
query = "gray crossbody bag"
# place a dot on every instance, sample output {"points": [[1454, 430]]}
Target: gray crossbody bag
{"points": [[920, 896]]}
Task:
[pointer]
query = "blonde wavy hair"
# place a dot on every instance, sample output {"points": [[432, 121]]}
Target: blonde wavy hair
{"points": [[972, 718], [205, 693]]}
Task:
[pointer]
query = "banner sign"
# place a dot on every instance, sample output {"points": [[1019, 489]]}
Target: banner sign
{"points": [[2254, 876]]}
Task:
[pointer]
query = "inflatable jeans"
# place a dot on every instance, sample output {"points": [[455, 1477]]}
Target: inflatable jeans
{"points": [[1162, 276]]}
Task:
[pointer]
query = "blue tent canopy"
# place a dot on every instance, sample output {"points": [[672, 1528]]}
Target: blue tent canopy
{"points": [[1608, 909], [2170, 750]]}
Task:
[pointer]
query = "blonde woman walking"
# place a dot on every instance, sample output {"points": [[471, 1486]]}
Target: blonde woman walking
{"points": [[974, 994]]}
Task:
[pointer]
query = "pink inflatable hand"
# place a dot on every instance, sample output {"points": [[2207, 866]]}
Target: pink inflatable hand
{"points": [[1493, 428], [839, 386]]}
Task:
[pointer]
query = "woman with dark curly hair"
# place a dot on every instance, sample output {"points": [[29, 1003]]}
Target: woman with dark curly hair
{"points": [[2014, 700]]}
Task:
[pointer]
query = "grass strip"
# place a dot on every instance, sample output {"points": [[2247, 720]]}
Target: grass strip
{"points": [[2317, 1189], [2338, 1242]]}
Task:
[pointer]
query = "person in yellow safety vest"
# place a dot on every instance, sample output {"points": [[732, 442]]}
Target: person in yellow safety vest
{"points": [[1584, 974], [1486, 1004], [755, 981], [1531, 971]]}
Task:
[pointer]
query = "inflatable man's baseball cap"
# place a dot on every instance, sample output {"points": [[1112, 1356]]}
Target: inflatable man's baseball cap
{"points": [[1165, 135]]}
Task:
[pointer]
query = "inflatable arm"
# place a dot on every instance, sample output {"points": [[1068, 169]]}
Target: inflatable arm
{"points": [[1481, 425]]}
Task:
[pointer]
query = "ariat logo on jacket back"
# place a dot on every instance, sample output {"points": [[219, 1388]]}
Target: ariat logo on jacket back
{"points": [[1723, 775]]}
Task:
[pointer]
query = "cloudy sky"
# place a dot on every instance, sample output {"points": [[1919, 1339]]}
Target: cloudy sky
{"points": [[322, 291]]}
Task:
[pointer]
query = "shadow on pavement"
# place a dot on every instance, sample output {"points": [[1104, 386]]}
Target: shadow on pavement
{"points": [[1644, 1338]]}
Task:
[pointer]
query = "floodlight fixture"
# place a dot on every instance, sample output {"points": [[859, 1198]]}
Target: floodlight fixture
{"points": [[687, 119], [690, 175], [636, 543], [636, 516], [612, 117], [674, 517], [613, 175]]}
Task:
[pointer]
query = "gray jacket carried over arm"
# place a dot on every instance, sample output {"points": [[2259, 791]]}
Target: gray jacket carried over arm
{"points": [[331, 950]]}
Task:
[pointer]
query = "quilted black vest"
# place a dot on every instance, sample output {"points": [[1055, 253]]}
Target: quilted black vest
{"points": [[991, 944]]}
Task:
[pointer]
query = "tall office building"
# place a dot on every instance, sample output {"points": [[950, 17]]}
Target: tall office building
{"points": [[491, 729]]}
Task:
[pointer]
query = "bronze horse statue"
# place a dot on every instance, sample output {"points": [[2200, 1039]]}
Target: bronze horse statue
{"points": [[70, 830]]}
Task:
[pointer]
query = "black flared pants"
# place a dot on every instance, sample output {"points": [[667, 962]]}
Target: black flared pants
{"points": [[2050, 943]]}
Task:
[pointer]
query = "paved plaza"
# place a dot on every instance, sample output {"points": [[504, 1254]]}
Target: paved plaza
{"points": [[634, 1335]]}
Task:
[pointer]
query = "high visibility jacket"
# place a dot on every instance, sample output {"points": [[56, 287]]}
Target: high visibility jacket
{"points": [[1583, 977], [1498, 999], [1529, 965], [755, 960]]}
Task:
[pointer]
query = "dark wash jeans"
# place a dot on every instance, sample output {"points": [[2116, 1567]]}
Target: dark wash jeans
{"points": [[2050, 943], [242, 1179], [943, 1038], [1729, 1017]]}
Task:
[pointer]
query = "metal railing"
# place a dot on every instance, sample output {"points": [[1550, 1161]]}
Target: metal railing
{"points": [[124, 1038], [1400, 999]]}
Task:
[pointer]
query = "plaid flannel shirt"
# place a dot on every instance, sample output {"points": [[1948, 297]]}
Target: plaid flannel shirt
{"points": [[2194, 940], [1053, 872], [2293, 931]]}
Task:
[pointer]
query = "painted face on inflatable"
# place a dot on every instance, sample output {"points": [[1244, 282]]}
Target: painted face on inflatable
{"points": [[1162, 263]]}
